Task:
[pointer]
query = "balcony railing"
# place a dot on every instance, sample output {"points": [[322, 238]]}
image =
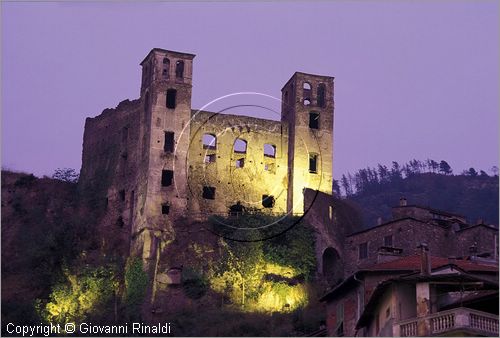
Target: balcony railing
{"points": [[446, 321]]}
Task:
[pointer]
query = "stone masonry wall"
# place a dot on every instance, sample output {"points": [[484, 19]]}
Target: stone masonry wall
{"points": [[249, 180]]}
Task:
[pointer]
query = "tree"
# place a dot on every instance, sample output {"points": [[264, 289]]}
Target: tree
{"points": [[383, 173], [336, 188], [445, 168], [66, 174], [395, 171], [494, 170], [346, 185], [472, 172], [432, 165], [483, 173]]}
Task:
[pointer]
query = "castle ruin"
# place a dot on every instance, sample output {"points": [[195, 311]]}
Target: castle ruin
{"points": [[155, 159]]}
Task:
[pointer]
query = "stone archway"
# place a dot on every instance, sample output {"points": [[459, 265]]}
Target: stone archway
{"points": [[332, 266]]}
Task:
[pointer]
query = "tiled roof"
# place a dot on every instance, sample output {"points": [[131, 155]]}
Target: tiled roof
{"points": [[411, 263]]}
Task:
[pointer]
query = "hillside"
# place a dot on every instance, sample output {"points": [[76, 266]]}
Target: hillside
{"points": [[475, 197]]}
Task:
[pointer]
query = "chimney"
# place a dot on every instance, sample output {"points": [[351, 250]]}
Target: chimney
{"points": [[403, 202], [379, 221], [425, 260], [473, 251]]}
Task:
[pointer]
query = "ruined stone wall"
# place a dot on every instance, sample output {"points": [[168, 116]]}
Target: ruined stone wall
{"points": [[248, 181], [146, 165], [328, 235], [111, 167]]}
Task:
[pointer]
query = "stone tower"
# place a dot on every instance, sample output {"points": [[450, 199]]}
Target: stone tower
{"points": [[165, 128], [307, 108]]}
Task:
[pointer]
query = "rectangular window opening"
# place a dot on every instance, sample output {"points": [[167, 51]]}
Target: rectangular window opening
{"points": [[169, 143], [314, 120], [363, 250], [313, 163], [210, 158], [240, 163], [167, 176], [171, 98], [165, 209], [388, 240], [208, 193], [122, 195]]}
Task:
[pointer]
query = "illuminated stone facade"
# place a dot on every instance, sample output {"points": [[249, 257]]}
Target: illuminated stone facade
{"points": [[152, 160]]}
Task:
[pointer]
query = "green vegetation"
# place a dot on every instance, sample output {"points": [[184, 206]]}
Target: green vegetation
{"points": [[136, 284], [264, 275], [194, 283], [81, 295]]}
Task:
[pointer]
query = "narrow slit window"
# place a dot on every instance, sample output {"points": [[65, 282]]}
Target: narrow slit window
{"points": [[208, 193], [209, 141], [122, 195], [321, 95], [313, 163], [171, 98], [269, 150], [166, 68], [179, 69], [167, 176], [169, 143], [313, 120], [267, 201], [240, 146]]}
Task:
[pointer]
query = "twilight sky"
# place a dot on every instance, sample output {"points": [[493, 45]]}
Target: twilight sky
{"points": [[412, 79]]}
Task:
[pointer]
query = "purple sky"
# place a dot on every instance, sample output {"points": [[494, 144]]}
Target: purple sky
{"points": [[413, 79]]}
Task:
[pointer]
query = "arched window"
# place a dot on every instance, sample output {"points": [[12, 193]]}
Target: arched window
{"points": [[269, 150], [179, 69], [209, 141], [166, 68], [332, 266], [240, 146], [171, 98], [307, 86], [321, 95], [307, 102]]}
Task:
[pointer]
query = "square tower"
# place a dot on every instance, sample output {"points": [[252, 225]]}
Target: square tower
{"points": [[165, 129], [308, 109]]}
